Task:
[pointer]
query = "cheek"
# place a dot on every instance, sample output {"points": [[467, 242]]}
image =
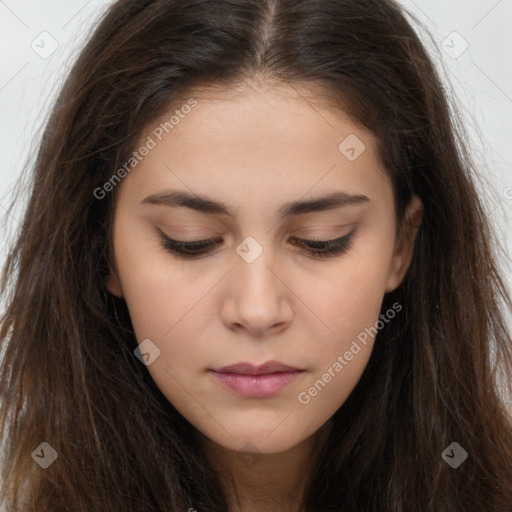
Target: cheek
{"points": [[164, 309], [348, 297], [157, 289], [349, 305], [326, 391]]}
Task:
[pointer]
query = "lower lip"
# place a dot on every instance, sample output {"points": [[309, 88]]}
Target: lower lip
{"points": [[256, 386]]}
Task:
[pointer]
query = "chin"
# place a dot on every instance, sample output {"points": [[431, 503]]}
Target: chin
{"points": [[251, 441]]}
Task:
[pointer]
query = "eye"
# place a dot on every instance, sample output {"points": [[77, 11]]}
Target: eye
{"points": [[318, 248], [327, 248]]}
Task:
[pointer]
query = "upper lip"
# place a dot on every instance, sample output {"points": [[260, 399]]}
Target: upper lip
{"points": [[251, 369]]}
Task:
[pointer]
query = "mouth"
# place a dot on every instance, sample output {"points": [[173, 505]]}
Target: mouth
{"points": [[252, 381]]}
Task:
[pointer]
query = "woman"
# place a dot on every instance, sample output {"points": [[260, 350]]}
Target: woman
{"points": [[254, 274]]}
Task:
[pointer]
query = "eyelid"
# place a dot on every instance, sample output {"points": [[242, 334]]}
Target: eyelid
{"points": [[315, 248], [324, 238], [321, 240], [205, 241], [191, 242]]}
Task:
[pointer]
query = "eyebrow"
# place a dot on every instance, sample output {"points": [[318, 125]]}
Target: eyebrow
{"points": [[205, 204]]}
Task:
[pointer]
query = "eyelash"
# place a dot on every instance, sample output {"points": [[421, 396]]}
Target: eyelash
{"points": [[318, 248]]}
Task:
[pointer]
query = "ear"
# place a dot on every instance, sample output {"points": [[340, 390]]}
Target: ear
{"points": [[113, 284], [404, 246]]}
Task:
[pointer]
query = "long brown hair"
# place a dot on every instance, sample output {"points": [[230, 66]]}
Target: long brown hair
{"points": [[69, 376]]}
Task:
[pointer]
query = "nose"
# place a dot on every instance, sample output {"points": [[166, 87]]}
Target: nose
{"points": [[258, 300]]}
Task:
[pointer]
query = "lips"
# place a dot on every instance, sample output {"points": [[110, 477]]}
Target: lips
{"points": [[250, 369], [253, 381]]}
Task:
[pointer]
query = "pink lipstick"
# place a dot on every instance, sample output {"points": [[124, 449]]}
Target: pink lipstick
{"points": [[254, 381]]}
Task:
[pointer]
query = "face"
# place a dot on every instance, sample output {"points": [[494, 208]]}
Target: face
{"points": [[266, 177]]}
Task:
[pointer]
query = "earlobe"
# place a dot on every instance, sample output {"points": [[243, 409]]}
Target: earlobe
{"points": [[404, 247], [113, 285]]}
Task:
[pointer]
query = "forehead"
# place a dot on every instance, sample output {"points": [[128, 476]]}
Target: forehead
{"points": [[259, 139], [301, 112], [255, 105]]}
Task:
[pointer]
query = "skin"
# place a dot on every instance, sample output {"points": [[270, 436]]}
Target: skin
{"points": [[254, 149]]}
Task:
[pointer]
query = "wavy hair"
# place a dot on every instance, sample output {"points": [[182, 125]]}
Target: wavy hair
{"points": [[439, 373]]}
